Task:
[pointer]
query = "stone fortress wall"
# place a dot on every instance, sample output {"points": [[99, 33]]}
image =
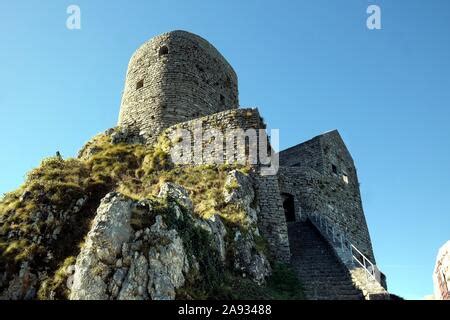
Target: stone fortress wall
{"points": [[224, 123], [175, 77]]}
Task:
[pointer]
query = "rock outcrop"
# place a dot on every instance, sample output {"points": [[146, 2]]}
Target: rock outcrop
{"points": [[134, 252], [110, 231], [249, 261], [119, 262]]}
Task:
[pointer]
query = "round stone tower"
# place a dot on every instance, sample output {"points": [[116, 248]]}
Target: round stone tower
{"points": [[175, 77]]}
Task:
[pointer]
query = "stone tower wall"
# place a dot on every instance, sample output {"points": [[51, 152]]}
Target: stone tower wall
{"points": [[175, 77], [316, 180]]}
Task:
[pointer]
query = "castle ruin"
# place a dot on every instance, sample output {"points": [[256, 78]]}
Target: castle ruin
{"points": [[178, 78]]}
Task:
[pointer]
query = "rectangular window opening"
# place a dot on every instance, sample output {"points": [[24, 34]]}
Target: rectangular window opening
{"points": [[140, 84]]}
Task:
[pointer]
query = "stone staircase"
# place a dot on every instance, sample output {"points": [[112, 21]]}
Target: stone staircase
{"points": [[318, 268]]}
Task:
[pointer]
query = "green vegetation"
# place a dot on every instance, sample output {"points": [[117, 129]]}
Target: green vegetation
{"points": [[58, 283], [282, 285], [201, 283], [30, 212], [45, 206]]}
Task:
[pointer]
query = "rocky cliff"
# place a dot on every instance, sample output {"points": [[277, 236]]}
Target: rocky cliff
{"points": [[122, 222]]}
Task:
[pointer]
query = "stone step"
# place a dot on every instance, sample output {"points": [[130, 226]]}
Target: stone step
{"points": [[321, 273]]}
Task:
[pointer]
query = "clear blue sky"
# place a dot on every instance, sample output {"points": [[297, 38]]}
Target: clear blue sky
{"points": [[310, 66]]}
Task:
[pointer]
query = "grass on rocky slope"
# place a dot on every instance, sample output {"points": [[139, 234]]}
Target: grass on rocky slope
{"points": [[27, 229], [42, 209], [283, 284]]}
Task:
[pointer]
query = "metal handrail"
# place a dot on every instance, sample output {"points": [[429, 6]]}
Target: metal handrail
{"points": [[371, 271], [330, 230]]}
